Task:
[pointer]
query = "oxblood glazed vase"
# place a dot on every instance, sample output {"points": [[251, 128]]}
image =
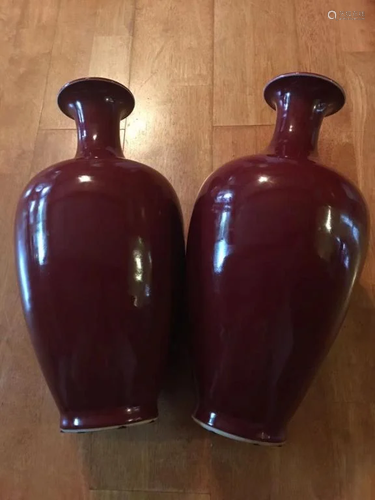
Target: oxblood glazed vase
{"points": [[275, 245], [99, 247]]}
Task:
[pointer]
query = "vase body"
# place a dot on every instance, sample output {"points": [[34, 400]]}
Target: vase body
{"points": [[99, 248], [275, 245]]}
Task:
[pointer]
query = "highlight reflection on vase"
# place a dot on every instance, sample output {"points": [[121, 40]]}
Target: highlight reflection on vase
{"points": [[275, 245], [100, 253]]}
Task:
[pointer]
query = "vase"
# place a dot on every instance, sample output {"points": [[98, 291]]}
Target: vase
{"points": [[275, 245], [99, 251]]}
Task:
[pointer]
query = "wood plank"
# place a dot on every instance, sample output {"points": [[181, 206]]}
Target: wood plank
{"points": [[178, 51], [70, 60], [115, 17], [99, 49], [354, 444], [316, 35], [171, 455], [357, 35], [51, 147], [239, 470], [26, 44], [173, 136], [306, 465], [171, 78], [145, 495], [336, 144], [246, 57], [45, 479], [23, 85], [360, 72], [319, 44], [110, 57], [29, 422], [230, 143], [350, 368], [39, 13]]}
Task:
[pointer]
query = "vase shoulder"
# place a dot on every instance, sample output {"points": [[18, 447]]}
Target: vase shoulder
{"points": [[91, 175], [260, 173]]}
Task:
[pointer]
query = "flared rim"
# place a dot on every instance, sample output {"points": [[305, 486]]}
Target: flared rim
{"points": [[334, 91], [99, 86]]}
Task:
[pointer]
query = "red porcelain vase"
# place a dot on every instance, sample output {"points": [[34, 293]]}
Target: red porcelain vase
{"points": [[99, 249], [275, 245]]}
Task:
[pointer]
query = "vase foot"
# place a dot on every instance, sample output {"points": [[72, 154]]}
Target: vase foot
{"points": [[90, 421], [234, 428]]}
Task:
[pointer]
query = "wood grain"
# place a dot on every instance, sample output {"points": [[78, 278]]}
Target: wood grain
{"points": [[52, 146], [23, 86], [246, 56], [360, 76], [197, 70], [319, 44], [145, 495], [89, 49], [234, 142], [32, 451], [353, 449], [171, 77], [357, 36], [161, 133]]}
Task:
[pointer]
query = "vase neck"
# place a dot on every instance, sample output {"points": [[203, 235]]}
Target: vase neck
{"points": [[297, 127], [98, 130], [97, 105], [302, 101]]}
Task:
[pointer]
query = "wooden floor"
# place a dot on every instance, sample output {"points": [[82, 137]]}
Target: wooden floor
{"points": [[197, 69]]}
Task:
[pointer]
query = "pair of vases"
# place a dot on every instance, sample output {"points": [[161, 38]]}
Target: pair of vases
{"points": [[275, 244]]}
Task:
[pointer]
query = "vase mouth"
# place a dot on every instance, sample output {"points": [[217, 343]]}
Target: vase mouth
{"points": [[312, 84], [95, 87]]}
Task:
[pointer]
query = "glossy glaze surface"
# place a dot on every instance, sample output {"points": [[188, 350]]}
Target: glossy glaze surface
{"points": [[275, 245], [100, 251]]}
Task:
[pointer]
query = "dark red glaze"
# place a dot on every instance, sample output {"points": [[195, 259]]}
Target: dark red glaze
{"points": [[275, 245], [99, 246]]}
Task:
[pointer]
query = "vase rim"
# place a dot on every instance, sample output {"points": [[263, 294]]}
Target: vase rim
{"points": [[337, 92], [103, 86]]}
